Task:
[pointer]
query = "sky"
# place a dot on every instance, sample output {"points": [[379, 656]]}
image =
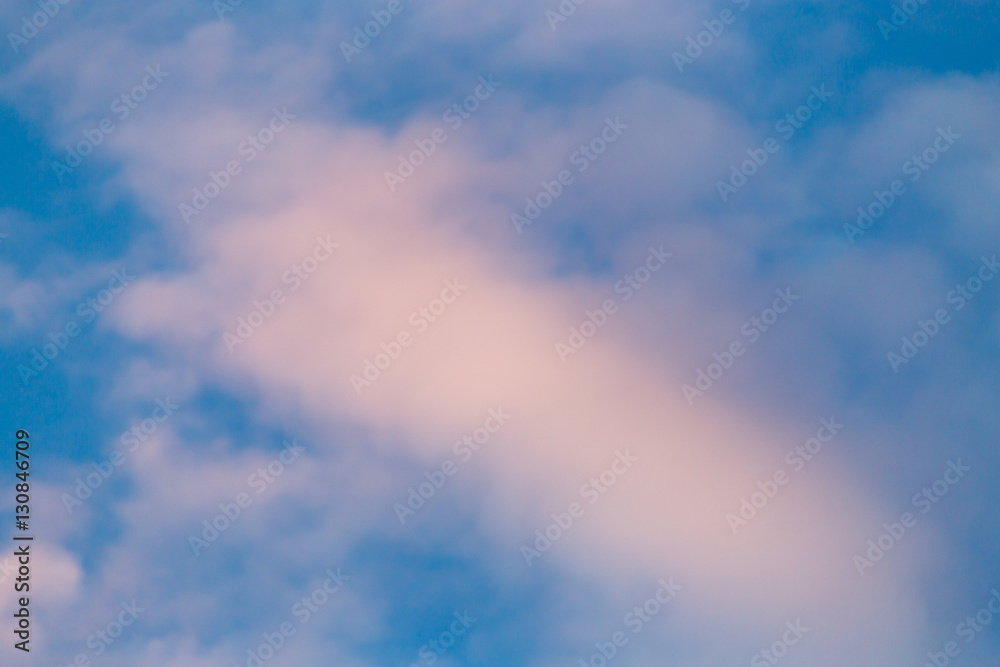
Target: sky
{"points": [[535, 333]]}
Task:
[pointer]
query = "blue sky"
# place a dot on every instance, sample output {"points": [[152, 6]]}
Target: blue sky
{"points": [[160, 334]]}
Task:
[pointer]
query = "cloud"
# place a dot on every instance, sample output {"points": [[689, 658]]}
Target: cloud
{"points": [[359, 269]]}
